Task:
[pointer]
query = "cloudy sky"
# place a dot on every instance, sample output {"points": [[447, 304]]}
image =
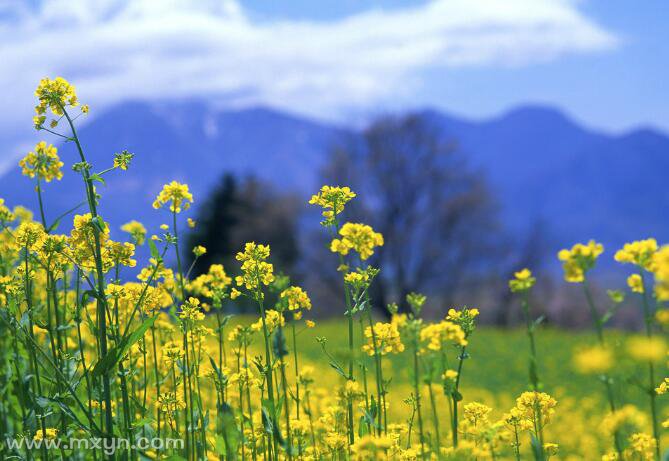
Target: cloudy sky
{"points": [[599, 60]]}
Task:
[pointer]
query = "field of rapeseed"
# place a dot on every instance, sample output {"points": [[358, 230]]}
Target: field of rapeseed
{"points": [[87, 355]]}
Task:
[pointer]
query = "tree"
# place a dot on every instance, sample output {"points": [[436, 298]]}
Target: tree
{"points": [[436, 214], [240, 212]]}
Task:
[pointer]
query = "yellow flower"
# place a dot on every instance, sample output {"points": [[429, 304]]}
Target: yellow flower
{"points": [[170, 403], [358, 237], [43, 163], [551, 449], [332, 199], [371, 447], [49, 433], [635, 282], [663, 387], [593, 360], [256, 270], [176, 194], [273, 319], [476, 413], [136, 229], [579, 260], [29, 235], [199, 250], [522, 281], [56, 95], [436, 335], [297, 298], [465, 317], [660, 267], [123, 159], [383, 339], [190, 310], [628, 416], [639, 253], [6, 216], [310, 323], [662, 317], [642, 447], [191, 223], [529, 402], [646, 349]]}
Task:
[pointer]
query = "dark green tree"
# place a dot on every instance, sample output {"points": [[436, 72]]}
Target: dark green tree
{"points": [[243, 211]]}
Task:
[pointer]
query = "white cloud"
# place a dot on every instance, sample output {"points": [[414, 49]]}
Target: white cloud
{"points": [[116, 49]]}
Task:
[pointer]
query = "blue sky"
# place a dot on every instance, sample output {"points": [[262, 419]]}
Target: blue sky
{"points": [[603, 62], [614, 91]]}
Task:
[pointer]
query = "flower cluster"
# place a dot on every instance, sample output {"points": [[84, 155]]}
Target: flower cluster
{"points": [[383, 338], [639, 253], [358, 237], [332, 199], [296, 298], [176, 194], [56, 95], [522, 281], [579, 260], [436, 335], [256, 270], [43, 163]]}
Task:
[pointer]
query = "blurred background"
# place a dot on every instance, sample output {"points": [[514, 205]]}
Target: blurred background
{"points": [[481, 136]]}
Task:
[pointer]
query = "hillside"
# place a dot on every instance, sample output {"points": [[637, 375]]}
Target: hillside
{"points": [[541, 165]]}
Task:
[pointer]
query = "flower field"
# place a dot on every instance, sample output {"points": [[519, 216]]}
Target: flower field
{"points": [[88, 354]]}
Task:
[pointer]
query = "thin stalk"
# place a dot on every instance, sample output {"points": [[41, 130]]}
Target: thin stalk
{"points": [[648, 321], [597, 323]]}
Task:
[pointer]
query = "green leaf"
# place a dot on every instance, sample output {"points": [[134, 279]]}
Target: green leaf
{"points": [[537, 449], [53, 226], [116, 353], [338, 369], [154, 250], [279, 344], [97, 178], [229, 440]]}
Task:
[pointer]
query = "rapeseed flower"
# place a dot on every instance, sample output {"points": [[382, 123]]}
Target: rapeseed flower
{"points": [[578, 260], [358, 237], [43, 163], [176, 194]]}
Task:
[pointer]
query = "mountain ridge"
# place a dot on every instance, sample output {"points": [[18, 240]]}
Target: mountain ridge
{"points": [[542, 165]]}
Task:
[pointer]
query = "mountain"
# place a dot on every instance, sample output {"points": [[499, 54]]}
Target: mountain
{"points": [[541, 165]]}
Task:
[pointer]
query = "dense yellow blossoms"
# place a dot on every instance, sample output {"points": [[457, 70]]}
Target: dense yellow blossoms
{"points": [[273, 319], [579, 260], [383, 339], [296, 298], [358, 237], [137, 230], [644, 349], [191, 311], [176, 194], [437, 335], [660, 267], [256, 270], [176, 365], [49, 433], [595, 360], [639, 253], [529, 402], [332, 199], [43, 163], [55, 95]]}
